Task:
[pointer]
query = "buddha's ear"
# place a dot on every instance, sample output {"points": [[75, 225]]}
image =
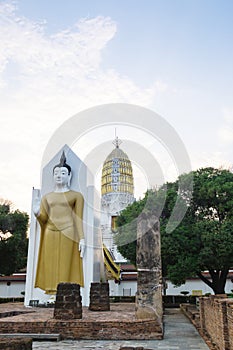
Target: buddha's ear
{"points": [[70, 177]]}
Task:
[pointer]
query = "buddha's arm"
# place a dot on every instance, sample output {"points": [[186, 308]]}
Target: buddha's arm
{"points": [[44, 212], [79, 204]]}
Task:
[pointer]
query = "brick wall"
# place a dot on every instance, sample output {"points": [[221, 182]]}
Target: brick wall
{"points": [[216, 320], [80, 329], [230, 323], [16, 344]]}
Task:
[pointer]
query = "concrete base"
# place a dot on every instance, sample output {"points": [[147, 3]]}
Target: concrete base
{"points": [[33, 336]]}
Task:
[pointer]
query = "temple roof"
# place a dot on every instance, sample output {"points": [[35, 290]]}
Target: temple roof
{"points": [[117, 153]]}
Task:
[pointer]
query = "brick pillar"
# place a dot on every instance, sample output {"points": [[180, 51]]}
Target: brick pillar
{"points": [[99, 297], [202, 313], [230, 321], [149, 288], [225, 326], [68, 304]]}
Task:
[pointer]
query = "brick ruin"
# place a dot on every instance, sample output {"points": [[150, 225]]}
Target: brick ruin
{"points": [[216, 320]]}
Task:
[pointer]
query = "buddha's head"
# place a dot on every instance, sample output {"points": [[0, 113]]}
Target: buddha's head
{"points": [[62, 172]]}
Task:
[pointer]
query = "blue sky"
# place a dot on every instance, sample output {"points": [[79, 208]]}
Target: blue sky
{"points": [[61, 57], [177, 40]]}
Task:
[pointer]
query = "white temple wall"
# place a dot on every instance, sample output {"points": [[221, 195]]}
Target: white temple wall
{"points": [[125, 288], [193, 285], [13, 290]]}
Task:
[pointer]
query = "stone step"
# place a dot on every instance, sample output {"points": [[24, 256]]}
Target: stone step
{"points": [[34, 336]]}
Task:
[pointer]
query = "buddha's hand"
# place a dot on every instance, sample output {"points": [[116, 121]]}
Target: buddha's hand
{"points": [[36, 204], [82, 247]]}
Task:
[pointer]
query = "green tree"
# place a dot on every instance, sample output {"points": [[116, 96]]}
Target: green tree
{"points": [[126, 237], [127, 230], [13, 239], [203, 241]]}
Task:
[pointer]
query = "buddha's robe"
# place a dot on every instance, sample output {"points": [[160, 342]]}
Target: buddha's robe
{"points": [[59, 258]]}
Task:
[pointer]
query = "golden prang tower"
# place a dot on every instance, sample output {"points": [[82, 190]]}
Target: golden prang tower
{"points": [[117, 172], [117, 190]]}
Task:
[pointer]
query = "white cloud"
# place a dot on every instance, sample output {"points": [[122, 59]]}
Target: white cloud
{"points": [[45, 79], [62, 71], [63, 60], [65, 64]]}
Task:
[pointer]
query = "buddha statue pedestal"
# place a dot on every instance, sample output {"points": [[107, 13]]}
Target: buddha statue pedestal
{"points": [[68, 304], [99, 297]]}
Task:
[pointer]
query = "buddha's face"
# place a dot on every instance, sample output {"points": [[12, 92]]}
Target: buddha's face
{"points": [[61, 176]]}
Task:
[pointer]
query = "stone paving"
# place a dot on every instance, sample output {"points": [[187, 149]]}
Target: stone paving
{"points": [[180, 334]]}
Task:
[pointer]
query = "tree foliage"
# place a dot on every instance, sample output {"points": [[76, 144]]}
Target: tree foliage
{"points": [[13, 239], [127, 230], [203, 241]]}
